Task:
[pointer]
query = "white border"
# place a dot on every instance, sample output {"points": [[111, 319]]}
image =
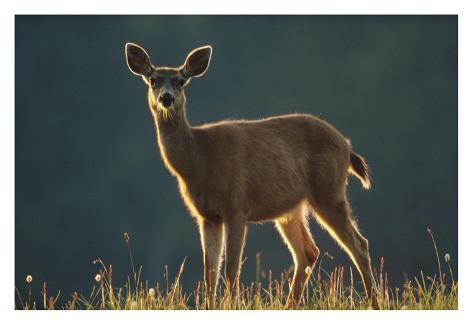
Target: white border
{"points": [[10, 8], [280, 7]]}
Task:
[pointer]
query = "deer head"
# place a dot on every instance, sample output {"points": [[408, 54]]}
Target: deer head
{"points": [[166, 84]]}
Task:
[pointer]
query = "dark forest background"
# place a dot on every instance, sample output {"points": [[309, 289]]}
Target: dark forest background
{"points": [[88, 169]]}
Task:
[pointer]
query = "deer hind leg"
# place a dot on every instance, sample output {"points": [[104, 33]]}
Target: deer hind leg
{"points": [[335, 216], [211, 234], [296, 234]]}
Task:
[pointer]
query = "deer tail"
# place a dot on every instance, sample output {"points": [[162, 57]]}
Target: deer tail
{"points": [[359, 168]]}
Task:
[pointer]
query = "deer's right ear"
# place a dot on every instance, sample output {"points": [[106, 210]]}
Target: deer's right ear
{"points": [[137, 60]]}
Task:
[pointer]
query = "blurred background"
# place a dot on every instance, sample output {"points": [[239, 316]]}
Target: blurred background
{"points": [[88, 168]]}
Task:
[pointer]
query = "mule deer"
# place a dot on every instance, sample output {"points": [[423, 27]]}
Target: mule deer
{"points": [[231, 173]]}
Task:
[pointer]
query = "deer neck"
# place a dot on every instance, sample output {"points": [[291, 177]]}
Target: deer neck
{"points": [[176, 141]]}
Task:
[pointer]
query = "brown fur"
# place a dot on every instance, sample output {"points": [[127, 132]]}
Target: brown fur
{"points": [[234, 172]]}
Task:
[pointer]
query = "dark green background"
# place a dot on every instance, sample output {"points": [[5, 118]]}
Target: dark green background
{"points": [[88, 168]]}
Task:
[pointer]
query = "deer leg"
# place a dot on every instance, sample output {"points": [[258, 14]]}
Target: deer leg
{"points": [[235, 235], [335, 216], [296, 234], [211, 235]]}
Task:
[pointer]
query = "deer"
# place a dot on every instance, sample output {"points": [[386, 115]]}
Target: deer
{"points": [[231, 173]]}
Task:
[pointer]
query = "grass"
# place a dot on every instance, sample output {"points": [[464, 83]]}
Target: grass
{"points": [[334, 290]]}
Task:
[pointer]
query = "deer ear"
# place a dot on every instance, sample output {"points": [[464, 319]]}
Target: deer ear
{"points": [[137, 60], [197, 62]]}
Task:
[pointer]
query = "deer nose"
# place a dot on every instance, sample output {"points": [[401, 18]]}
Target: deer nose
{"points": [[166, 99]]}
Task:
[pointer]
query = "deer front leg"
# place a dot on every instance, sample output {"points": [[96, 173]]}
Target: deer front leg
{"points": [[211, 235], [235, 235]]}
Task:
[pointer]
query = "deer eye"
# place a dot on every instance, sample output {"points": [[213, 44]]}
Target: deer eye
{"points": [[181, 82], [153, 83]]}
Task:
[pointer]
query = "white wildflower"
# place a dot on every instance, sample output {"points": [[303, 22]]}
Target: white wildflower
{"points": [[447, 257]]}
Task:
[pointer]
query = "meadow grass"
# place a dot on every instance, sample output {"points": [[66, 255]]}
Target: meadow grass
{"points": [[334, 290]]}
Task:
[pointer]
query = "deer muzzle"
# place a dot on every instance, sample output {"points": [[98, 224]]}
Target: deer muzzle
{"points": [[166, 100]]}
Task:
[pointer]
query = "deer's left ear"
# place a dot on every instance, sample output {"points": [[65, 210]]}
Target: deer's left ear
{"points": [[197, 62]]}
